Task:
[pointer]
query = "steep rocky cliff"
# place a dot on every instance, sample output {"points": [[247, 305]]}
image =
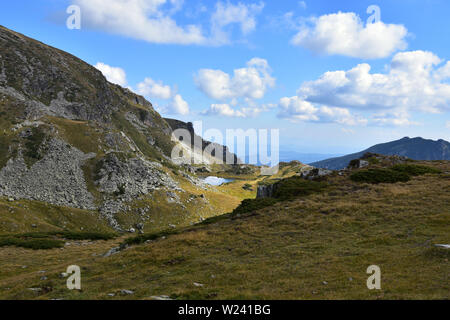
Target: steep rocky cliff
{"points": [[223, 154], [70, 138]]}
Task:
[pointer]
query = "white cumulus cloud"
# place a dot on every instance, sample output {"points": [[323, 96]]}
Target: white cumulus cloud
{"points": [[139, 19], [152, 88], [296, 109], [157, 89], [178, 106], [154, 20], [250, 82], [114, 75], [414, 82], [225, 110], [244, 15], [344, 33], [148, 88], [396, 118]]}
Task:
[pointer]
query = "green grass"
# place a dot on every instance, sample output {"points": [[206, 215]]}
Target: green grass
{"points": [[215, 219], [286, 189], [250, 205], [18, 217], [284, 251]]}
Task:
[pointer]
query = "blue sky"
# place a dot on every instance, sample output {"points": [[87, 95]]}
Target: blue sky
{"points": [[330, 81]]}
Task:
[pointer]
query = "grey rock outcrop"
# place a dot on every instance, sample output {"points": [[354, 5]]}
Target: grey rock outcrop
{"points": [[133, 177], [314, 173], [266, 191], [122, 181], [210, 147], [57, 178], [358, 164], [55, 109]]}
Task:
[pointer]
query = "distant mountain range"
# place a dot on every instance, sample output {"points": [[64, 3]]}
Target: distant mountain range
{"points": [[413, 148], [289, 155]]}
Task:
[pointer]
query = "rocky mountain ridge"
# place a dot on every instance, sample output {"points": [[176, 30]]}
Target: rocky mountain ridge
{"points": [[413, 148], [72, 139], [224, 154]]}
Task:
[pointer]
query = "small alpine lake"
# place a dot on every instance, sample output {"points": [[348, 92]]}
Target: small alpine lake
{"points": [[216, 181]]}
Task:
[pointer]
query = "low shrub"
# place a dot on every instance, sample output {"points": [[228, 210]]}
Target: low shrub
{"points": [[297, 187], [69, 235], [33, 143], [49, 240], [248, 187], [373, 160], [397, 173], [152, 236], [376, 176], [35, 244], [87, 235], [214, 219], [414, 169], [354, 163]]}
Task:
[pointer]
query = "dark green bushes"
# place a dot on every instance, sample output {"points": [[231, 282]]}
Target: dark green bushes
{"points": [[282, 190], [379, 176], [373, 160], [297, 187], [50, 240], [397, 173], [69, 235], [146, 237], [33, 143], [93, 236], [414, 169], [35, 244]]}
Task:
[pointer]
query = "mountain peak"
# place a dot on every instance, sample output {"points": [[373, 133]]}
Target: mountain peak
{"points": [[414, 148]]}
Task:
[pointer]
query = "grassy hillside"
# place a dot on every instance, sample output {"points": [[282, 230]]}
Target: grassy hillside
{"points": [[316, 246]]}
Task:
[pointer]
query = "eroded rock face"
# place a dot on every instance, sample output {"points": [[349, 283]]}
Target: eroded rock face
{"points": [[57, 178], [56, 93], [223, 153], [266, 191], [121, 181], [132, 177]]}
